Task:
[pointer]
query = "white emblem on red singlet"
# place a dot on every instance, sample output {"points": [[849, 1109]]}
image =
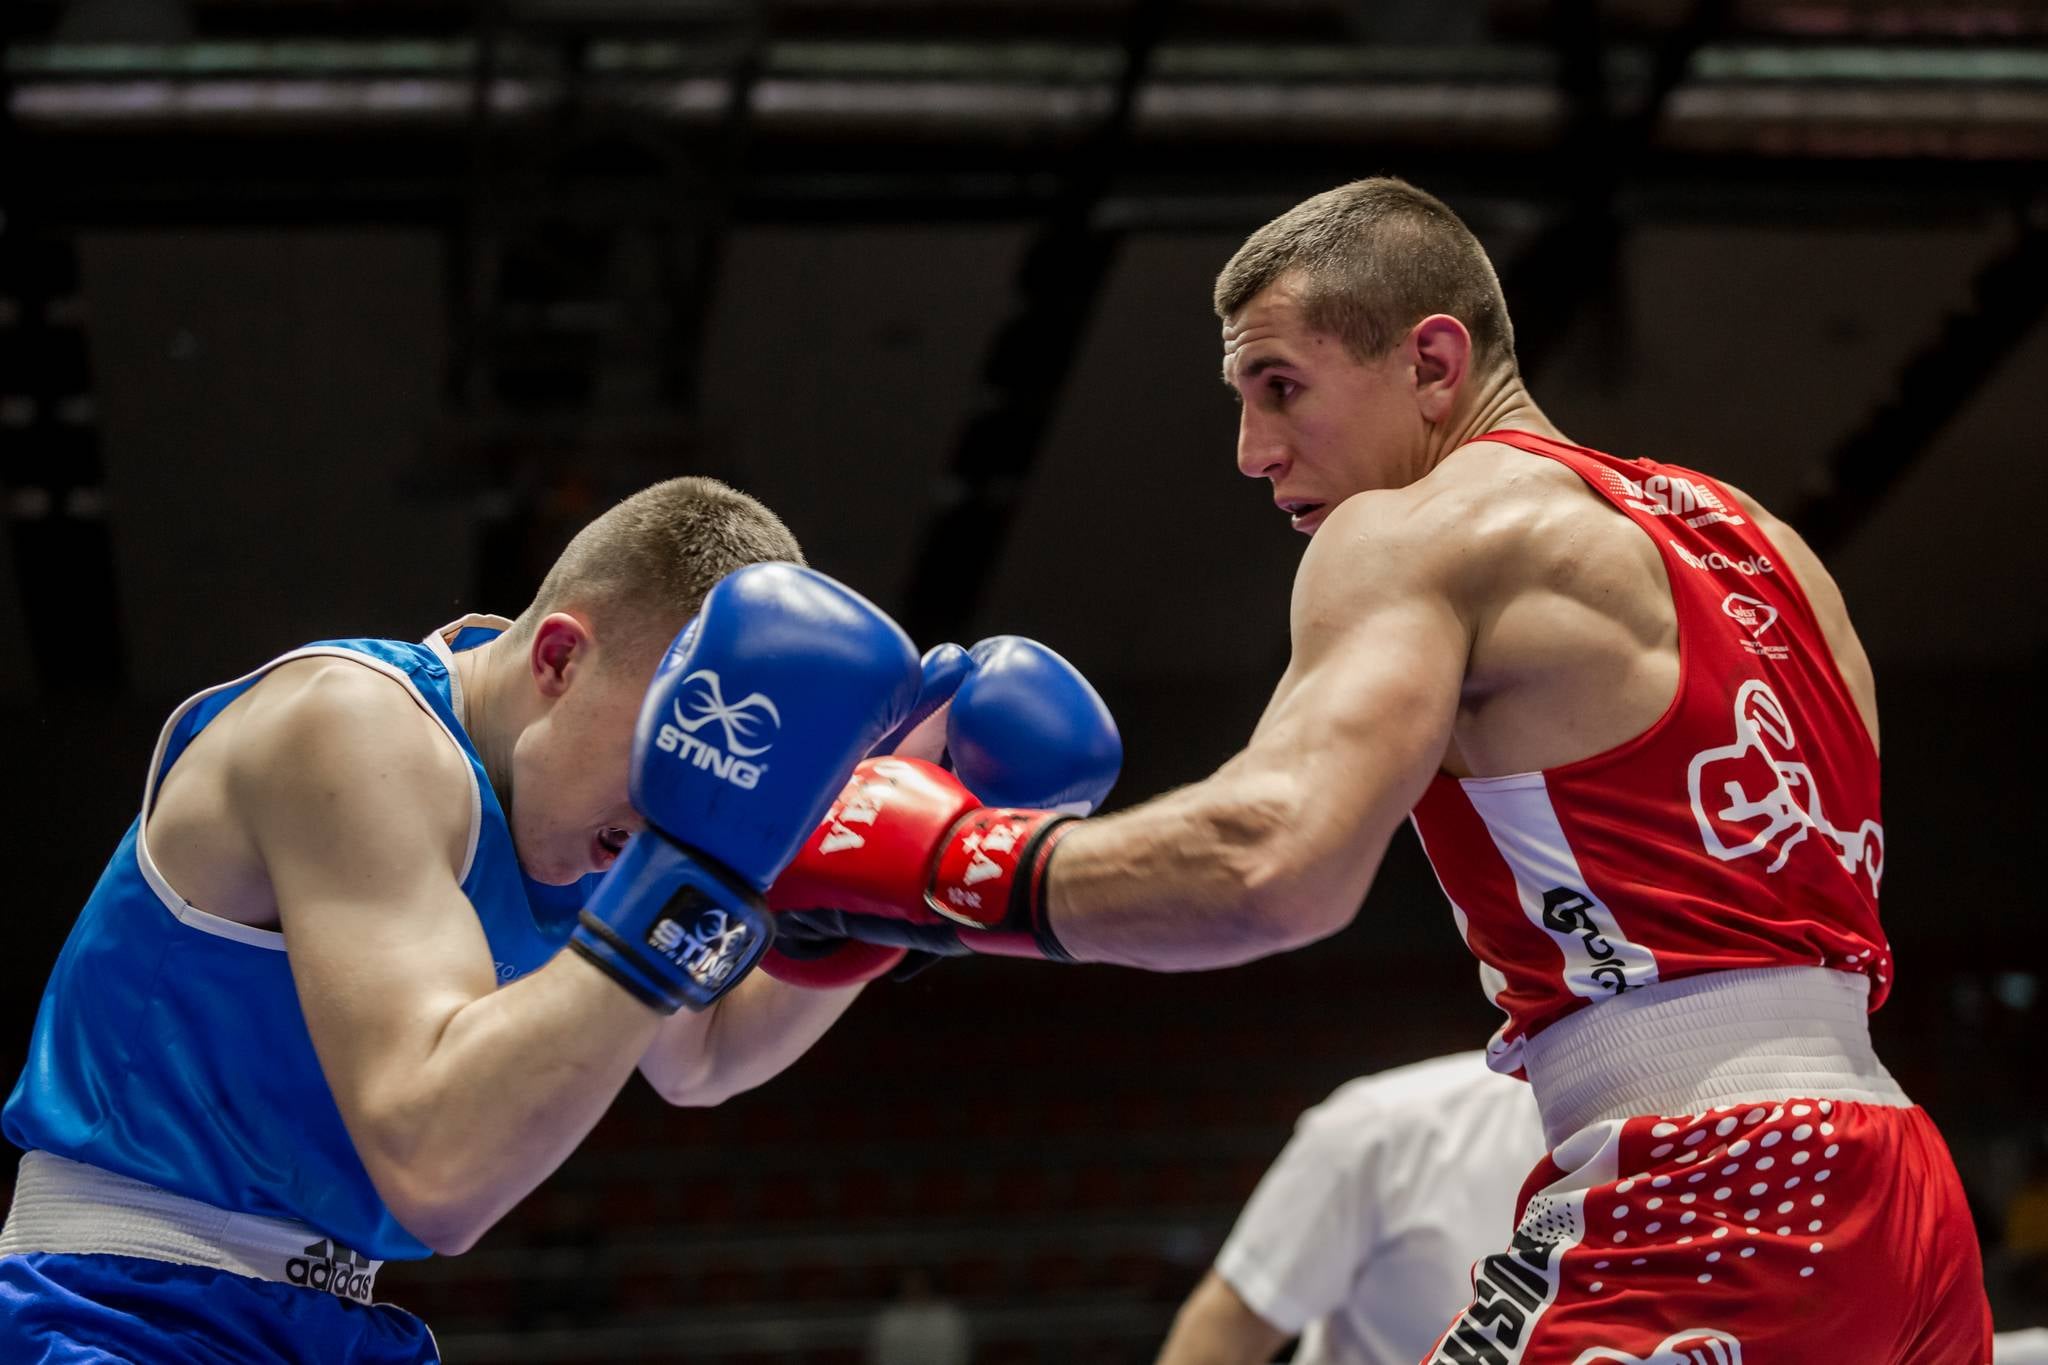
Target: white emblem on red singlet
{"points": [[1756, 616], [1755, 796], [1672, 495], [1753, 614], [1693, 1346], [1713, 561]]}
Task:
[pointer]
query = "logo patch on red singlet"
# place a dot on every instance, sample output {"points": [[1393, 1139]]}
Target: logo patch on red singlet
{"points": [[1570, 911], [1672, 495], [1755, 796], [1714, 561], [1755, 616]]}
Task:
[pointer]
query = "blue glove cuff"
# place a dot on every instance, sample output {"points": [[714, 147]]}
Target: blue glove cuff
{"points": [[673, 927]]}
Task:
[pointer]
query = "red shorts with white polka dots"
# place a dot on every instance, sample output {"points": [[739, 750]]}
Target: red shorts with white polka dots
{"points": [[1780, 1233]]}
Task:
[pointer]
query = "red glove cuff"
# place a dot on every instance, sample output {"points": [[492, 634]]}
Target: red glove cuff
{"points": [[989, 877]]}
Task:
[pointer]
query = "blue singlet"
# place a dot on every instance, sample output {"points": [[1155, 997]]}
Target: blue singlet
{"points": [[170, 1047]]}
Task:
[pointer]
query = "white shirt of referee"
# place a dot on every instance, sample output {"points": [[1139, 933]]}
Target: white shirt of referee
{"points": [[1361, 1237]]}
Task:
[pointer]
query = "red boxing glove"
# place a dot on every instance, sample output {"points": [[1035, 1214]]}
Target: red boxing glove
{"points": [[828, 964], [910, 858]]}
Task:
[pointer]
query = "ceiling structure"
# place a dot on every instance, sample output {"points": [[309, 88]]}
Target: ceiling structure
{"points": [[914, 270]]}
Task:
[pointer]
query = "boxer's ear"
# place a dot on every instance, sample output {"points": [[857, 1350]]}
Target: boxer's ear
{"points": [[562, 648], [1440, 351]]}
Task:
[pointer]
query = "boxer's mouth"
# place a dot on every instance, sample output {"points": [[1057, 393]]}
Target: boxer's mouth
{"points": [[607, 846], [1304, 515]]}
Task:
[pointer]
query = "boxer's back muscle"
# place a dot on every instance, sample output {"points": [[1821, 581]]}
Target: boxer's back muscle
{"points": [[1575, 637]]}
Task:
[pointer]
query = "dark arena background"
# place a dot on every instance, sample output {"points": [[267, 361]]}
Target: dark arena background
{"points": [[323, 318]]}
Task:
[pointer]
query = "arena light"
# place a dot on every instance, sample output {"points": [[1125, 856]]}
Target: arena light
{"points": [[1774, 100]]}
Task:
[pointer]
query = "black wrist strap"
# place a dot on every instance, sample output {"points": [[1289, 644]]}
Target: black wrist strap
{"points": [[1027, 893]]}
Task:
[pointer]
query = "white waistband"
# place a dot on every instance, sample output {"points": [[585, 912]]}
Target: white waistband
{"points": [[1719, 1038], [69, 1207]]}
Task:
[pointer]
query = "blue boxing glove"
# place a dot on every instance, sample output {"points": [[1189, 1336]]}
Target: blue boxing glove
{"points": [[922, 733], [754, 720], [1024, 729]]}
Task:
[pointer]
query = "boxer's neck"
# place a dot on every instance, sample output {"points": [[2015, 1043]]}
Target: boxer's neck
{"points": [[1499, 402], [492, 722]]}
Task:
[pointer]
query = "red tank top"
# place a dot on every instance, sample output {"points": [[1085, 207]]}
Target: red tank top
{"points": [[1740, 830]]}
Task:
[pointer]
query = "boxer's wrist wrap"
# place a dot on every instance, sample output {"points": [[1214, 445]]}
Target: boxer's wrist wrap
{"points": [[989, 876], [1028, 896]]}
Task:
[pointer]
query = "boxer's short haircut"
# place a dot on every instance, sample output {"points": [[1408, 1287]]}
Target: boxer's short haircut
{"points": [[1375, 257], [642, 568]]}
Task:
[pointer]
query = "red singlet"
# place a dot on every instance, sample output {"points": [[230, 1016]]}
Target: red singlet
{"points": [[1740, 830], [1734, 1177]]}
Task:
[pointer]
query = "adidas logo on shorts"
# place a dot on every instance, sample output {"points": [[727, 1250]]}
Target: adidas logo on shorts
{"points": [[332, 1268]]}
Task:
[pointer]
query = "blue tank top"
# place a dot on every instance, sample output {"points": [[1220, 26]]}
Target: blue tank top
{"points": [[169, 1046]]}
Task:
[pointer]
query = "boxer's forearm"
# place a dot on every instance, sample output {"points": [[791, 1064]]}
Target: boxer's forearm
{"points": [[749, 1037], [1219, 873], [511, 1082]]}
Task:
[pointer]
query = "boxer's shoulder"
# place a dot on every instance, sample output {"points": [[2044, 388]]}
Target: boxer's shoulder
{"points": [[293, 757], [1534, 523], [1478, 517], [332, 712], [320, 737]]}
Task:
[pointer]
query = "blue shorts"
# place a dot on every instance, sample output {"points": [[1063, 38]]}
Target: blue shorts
{"points": [[59, 1309]]}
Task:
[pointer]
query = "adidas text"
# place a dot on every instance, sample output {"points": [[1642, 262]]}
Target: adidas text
{"points": [[333, 1269]]}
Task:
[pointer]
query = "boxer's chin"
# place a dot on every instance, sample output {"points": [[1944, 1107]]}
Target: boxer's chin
{"points": [[551, 868]]}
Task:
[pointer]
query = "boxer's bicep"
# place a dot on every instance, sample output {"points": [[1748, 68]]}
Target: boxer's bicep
{"points": [[1359, 723], [353, 799]]}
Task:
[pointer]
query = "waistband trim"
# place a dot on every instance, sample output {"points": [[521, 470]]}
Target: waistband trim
{"points": [[1719, 1038], [72, 1208]]}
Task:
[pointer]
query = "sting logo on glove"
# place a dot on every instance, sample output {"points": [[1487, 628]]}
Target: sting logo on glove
{"points": [[711, 949], [730, 764]]}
